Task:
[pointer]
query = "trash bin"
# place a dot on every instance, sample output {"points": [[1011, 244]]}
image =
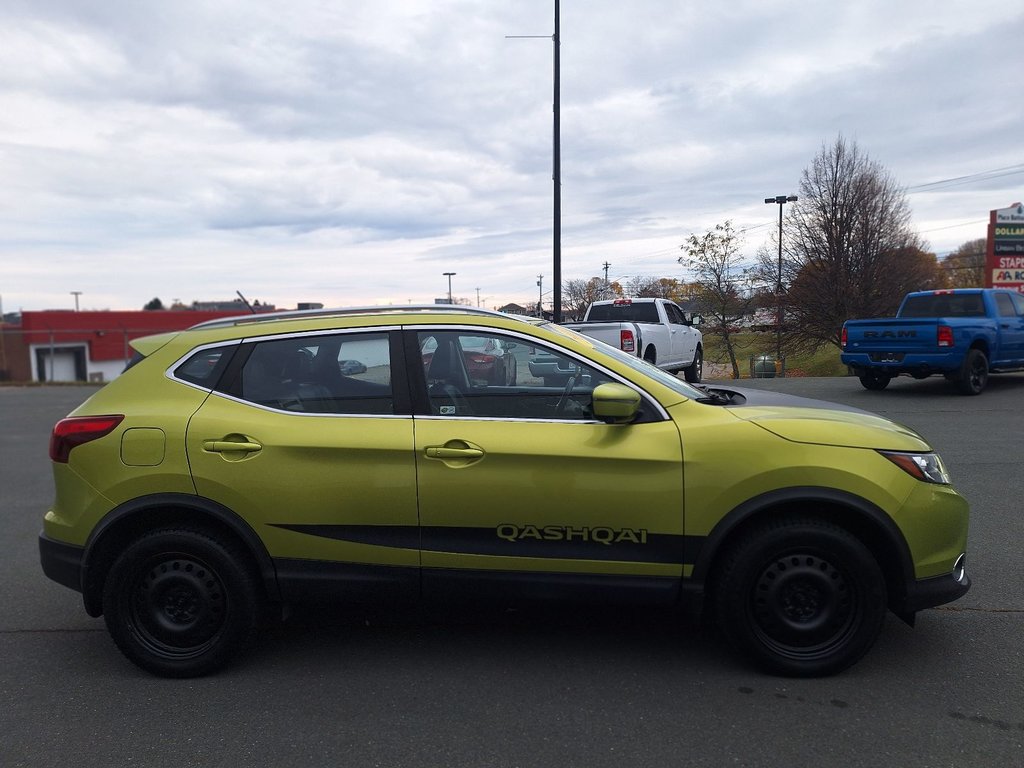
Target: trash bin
{"points": [[764, 367]]}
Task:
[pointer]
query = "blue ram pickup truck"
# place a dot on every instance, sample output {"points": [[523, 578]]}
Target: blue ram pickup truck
{"points": [[962, 333]]}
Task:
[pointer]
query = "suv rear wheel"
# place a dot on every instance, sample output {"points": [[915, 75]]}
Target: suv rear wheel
{"points": [[181, 602], [802, 597]]}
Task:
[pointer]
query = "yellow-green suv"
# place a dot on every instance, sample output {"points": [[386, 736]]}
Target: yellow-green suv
{"points": [[360, 455]]}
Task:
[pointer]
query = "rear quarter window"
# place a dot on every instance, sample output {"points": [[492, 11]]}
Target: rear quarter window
{"points": [[204, 367]]}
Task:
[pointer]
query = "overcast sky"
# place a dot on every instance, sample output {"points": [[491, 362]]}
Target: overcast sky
{"points": [[351, 152]]}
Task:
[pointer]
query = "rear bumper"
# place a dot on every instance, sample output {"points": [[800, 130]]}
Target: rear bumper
{"points": [[61, 562], [921, 364]]}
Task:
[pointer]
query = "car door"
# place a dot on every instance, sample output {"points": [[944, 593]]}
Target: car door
{"points": [[1010, 309], [684, 340], [522, 491], [310, 441]]}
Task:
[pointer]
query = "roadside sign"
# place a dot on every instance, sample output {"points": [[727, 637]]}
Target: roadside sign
{"points": [[1005, 254]]}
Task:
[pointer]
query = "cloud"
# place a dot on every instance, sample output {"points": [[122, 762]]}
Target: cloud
{"points": [[365, 145]]}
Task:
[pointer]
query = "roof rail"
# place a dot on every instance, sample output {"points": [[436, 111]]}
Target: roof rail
{"points": [[302, 314]]}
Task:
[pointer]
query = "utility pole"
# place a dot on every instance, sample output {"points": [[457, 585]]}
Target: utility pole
{"points": [[76, 294], [540, 295], [478, 296]]}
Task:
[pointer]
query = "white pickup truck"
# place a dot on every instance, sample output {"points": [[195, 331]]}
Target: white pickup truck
{"points": [[656, 330]]}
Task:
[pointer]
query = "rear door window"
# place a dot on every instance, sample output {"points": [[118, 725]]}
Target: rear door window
{"points": [[333, 374]]}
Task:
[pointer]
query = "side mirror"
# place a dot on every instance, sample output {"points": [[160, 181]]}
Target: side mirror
{"points": [[693, 319], [615, 403]]}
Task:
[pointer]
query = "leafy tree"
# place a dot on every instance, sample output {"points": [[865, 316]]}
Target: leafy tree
{"points": [[849, 250], [153, 304], [965, 267], [715, 261]]}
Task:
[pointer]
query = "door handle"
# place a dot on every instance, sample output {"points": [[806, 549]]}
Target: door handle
{"points": [[231, 446], [455, 454], [443, 452]]}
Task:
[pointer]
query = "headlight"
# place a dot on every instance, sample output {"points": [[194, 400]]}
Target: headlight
{"points": [[924, 466]]}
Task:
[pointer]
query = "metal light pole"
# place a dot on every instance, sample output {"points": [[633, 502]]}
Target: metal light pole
{"points": [[779, 200], [76, 294], [449, 276], [556, 168]]}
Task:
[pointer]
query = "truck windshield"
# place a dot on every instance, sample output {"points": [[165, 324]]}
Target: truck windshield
{"points": [[943, 305], [640, 312]]}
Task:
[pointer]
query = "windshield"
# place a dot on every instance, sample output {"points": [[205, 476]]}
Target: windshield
{"points": [[640, 366]]}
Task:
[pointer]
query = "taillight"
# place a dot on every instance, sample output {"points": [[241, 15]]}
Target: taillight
{"points": [[626, 341], [843, 340], [945, 336], [77, 430]]}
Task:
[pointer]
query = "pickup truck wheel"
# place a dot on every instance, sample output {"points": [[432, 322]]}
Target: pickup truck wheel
{"points": [[695, 370], [181, 602], [875, 381], [802, 597], [974, 373]]}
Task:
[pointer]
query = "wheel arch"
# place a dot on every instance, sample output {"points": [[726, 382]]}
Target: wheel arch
{"points": [[147, 513], [868, 522]]}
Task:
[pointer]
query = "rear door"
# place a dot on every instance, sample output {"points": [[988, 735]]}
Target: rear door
{"points": [[309, 440], [1010, 308]]}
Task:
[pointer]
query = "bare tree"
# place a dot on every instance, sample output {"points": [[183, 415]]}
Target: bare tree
{"points": [[578, 294], [849, 248], [715, 261], [965, 266]]}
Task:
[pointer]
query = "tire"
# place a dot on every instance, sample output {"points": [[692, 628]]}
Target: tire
{"points": [[182, 602], [973, 373], [876, 382], [695, 370], [801, 597]]}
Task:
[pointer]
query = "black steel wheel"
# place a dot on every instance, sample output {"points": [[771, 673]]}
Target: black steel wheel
{"points": [[974, 373], [875, 381], [181, 603], [801, 597]]}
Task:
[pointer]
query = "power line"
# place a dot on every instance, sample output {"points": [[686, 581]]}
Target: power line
{"points": [[995, 173]]}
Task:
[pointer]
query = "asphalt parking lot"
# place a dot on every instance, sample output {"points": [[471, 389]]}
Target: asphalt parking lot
{"points": [[566, 689]]}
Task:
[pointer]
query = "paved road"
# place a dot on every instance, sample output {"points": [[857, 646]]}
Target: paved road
{"points": [[532, 690]]}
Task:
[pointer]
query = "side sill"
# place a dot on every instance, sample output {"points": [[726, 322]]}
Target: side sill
{"points": [[321, 581]]}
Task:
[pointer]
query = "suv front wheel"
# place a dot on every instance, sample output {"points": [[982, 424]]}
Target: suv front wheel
{"points": [[181, 602], [802, 597]]}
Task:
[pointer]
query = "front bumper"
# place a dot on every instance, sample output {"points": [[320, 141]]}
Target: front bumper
{"points": [[937, 590]]}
